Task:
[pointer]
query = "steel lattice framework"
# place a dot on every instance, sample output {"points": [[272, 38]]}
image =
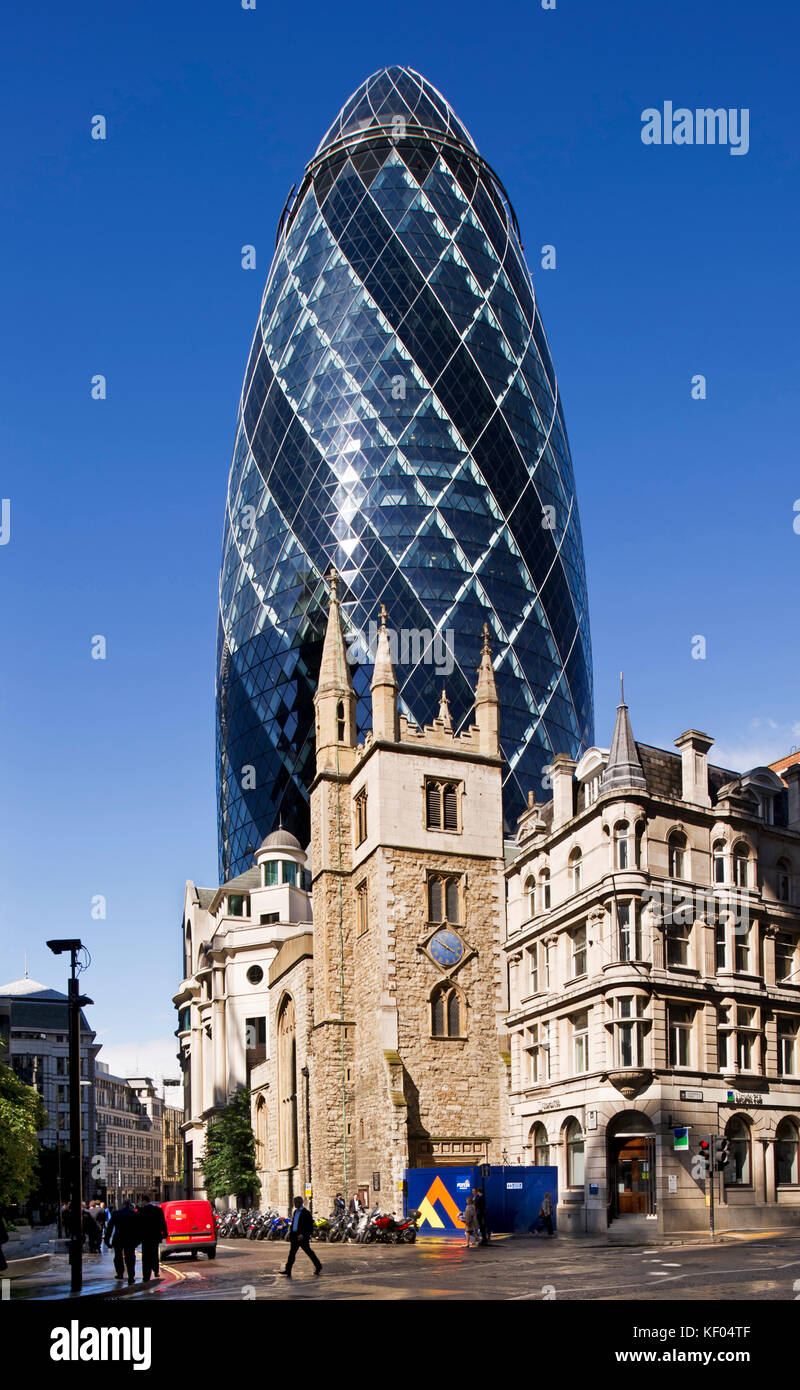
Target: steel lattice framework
{"points": [[400, 419]]}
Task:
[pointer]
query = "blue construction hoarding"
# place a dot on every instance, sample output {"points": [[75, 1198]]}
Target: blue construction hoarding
{"points": [[513, 1197]]}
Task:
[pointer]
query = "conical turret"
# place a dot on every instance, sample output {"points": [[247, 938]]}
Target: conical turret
{"points": [[623, 770]]}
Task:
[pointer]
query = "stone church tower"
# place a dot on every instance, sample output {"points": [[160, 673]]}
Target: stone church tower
{"points": [[407, 1048]]}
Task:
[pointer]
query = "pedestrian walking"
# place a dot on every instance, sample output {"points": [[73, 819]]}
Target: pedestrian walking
{"points": [[545, 1218], [299, 1237], [3, 1239], [94, 1232], [153, 1229], [100, 1216], [471, 1228], [122, 1233], [339, 1204], [480, 1211]]}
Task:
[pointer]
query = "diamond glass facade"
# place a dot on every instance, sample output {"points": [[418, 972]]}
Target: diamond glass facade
{"points": [[400, 419]]}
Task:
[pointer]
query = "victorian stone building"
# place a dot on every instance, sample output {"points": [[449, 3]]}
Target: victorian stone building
{"points": [[653, 926], [232, 937]]}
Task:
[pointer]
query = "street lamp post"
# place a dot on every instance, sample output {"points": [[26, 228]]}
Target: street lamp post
{"points": [[75, 1168]]}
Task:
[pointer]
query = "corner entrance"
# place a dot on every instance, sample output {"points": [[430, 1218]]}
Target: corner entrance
{"points": [[631, 1158]]}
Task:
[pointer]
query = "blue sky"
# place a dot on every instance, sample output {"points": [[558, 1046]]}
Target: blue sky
{"points": [[123, 257]]}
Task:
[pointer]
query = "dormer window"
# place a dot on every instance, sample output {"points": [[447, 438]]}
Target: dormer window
{"points": [[238, 905], [591, 790]]}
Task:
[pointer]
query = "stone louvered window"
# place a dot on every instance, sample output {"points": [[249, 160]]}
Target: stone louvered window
{"points": [[442, 805]]}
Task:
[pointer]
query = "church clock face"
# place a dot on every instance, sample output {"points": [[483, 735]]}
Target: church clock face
{"points": [[446, 947]]}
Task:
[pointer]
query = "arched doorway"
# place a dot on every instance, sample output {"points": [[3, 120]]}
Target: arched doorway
{"points": [[631, 1156]]}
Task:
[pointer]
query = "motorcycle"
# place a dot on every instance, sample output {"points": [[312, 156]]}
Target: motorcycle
{"points": [[279, 1228], [367, 1230], [322, 1227], [407, 1228]]}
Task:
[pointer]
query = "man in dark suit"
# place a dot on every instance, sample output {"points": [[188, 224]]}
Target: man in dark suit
{"points": [[153, 1226], [299, 1237], [122, 1232]]}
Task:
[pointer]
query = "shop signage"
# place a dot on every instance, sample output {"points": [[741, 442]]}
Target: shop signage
{"points": [[681, 1138], [741, 1102]]}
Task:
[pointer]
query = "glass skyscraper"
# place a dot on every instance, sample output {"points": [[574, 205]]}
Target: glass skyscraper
{"points": [[400, 420]]}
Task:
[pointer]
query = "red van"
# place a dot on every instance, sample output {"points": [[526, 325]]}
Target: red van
{"points": [[192, 1226]]}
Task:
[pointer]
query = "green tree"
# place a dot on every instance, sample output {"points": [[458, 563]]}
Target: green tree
{"points": [[229, 1167], [22, 1115]]}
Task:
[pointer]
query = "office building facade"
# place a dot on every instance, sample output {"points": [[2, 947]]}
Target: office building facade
{"points": [[401, 419]]}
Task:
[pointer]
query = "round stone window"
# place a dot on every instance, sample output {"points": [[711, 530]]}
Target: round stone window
{"points": [[255, 974]]}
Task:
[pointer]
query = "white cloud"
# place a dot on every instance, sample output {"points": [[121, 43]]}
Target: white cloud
{"points": [[764, 743], [155, 1057]]}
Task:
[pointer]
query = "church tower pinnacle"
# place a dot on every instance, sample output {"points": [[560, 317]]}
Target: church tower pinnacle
{"points": [[487, 704], [335, 699]]}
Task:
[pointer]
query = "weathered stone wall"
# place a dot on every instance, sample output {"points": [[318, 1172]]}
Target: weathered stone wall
{"points": [[279, 1185], [385, 1093]]}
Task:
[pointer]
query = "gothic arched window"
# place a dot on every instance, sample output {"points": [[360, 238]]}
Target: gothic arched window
{"points": [[446, 1012]]}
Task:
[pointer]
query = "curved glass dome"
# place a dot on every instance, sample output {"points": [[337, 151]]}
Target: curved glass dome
{"points": [[400, 419]]}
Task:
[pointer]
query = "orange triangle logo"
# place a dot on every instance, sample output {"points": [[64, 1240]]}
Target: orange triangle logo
{"points": [[437, 1192]]}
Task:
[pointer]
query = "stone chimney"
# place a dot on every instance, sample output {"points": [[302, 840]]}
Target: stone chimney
{"points": [[694, 748], [562, 773], [791, 776]]}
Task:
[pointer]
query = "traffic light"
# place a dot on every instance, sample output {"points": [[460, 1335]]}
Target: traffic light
{"points": [[704, 1153], [722, 1153]]}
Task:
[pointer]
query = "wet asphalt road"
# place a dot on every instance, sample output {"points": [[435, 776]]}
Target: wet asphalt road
{"points": [[752, 1268]]}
